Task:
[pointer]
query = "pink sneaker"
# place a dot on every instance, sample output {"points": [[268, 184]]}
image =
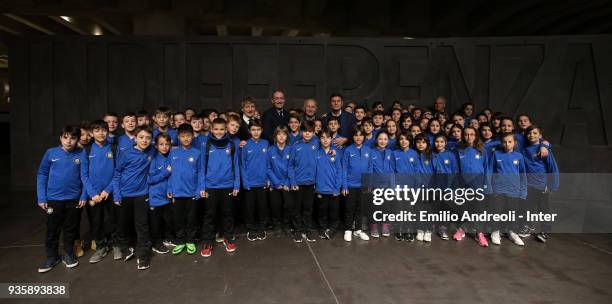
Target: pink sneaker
{"points": [[459, 235], [374, 231], [386, 231], [482, 240]]}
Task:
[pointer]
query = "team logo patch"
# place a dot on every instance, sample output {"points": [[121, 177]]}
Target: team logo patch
{"points": [[411, 159], [227, 151], [333, 159], [477, 156], [389, 157], [287, 156], [367, 155], [190, 159], [493, 149], [109, 155], [77, 161], [516, 162], [427, 162], [446, 162], [263, 150], [149, 158], [314, 147]]}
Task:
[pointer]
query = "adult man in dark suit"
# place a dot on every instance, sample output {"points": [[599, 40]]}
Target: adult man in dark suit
{"points": [[247, 113], [275, 116]]}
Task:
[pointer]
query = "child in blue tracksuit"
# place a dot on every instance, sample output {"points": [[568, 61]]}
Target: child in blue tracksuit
{"points": [[221, 183], [59, 190], [355, 161], [280, 174], [294, 129], [445, 169], [303, 164], [101, 167], [508, 183], [253, 171], [127, 140], [488, 139], [333, 125], [162, 121], [130, 195], [425, 177], [184, 186], [160, 209], [328, 166], [405, 167], [542, 177], [473, 161], [381, 170]]}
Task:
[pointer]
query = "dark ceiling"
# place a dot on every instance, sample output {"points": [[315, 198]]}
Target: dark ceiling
{"points": [[359, 18]]}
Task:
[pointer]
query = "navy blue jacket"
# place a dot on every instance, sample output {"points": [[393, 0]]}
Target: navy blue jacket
{"points": [[101, 162], [60, 175], [280, 172], [159, 172], [355, 162], [303, 162], [131, 171], [186, 165], [328, 172], [254, 163], [542, 172], [219, 174]]}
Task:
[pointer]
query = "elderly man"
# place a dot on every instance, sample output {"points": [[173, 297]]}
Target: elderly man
{"points": [[347, 120], [439, 105], [310, 109], [275, 116]]}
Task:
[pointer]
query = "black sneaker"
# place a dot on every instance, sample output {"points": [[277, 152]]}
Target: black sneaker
{"points": [[542, 237], [322, 235], [127, 254], [329, 234], [70, 261], [408, 237], [252, 236], [161, 249], [398, 237], [49, 264], [297, 237], [143, 263], [309, 236], [261, 235]]}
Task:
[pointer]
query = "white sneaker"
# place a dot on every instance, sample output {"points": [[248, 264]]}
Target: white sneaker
{"points": [[427, 236], [362, 235], [419, 235], [495, 237], [348, 236], [515, 238]]}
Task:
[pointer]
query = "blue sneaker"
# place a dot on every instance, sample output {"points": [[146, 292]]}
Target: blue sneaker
{"points": [[70, 261], [48, 264]]}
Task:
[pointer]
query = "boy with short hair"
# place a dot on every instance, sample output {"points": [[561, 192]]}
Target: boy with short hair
{"points": [[60, 193], [112, 119], [199, 138], [221, 183], [128, 123], [184, 188], [179, 118], [101, 165], [130, 195], [378, 120], [162, 122], [142, 118], [303, 164], [253, 170]]}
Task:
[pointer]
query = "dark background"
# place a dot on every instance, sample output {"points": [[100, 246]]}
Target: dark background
{"points": [[563, 82]]}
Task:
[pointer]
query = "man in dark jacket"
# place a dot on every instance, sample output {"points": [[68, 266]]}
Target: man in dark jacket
{"points": [[247, 113], [275, 116]]}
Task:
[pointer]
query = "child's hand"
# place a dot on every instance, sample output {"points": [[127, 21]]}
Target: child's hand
{"points": [[285, 188], [81, 204], [235, 192], [169, 195], [203, 194], [242, 143], [295, 188], [104, 195], [42, 205], [96, 199], [543, 152], [345, 192], [118, 203]]}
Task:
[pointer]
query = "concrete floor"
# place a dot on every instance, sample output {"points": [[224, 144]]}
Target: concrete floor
{"points": [[568, 269]]}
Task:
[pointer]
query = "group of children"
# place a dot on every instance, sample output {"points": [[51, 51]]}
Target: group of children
{"points": [[170, 186]]}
